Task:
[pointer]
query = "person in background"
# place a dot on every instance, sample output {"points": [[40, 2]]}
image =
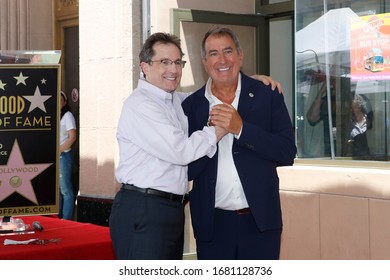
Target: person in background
{"points": [[147, 216], [234, 202], [318, 111], [361, 121], [67, 138]]}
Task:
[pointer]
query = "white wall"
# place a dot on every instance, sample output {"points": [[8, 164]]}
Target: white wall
{"points": [[335, 213], [160, 10], [107, 63]]}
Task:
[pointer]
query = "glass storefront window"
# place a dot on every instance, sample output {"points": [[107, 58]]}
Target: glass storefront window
{"points": [[342, 56]]}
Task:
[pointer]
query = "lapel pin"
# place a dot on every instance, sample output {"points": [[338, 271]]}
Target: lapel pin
{"points": [[251, 94]]}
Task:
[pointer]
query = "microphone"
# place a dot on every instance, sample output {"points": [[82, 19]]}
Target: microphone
{"points": [[37, 225]]}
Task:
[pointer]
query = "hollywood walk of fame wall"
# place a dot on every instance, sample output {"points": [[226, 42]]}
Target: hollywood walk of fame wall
{"points": [[29, 137]]}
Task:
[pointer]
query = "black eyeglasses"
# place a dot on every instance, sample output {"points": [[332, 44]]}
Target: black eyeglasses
{"points": [[167, 62]]}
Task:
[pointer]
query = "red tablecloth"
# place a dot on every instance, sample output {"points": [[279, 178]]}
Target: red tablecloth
{"points": [[79, 241]]}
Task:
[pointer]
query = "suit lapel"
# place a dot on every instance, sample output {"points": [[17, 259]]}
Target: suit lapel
{"points": [[203, 111], [247, 98]]}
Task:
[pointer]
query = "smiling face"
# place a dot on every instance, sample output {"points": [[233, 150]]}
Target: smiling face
{"points": [[222, 61], [165, 77]]}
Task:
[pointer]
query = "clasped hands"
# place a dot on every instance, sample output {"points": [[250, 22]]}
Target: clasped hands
{"points": [[226, 120]]}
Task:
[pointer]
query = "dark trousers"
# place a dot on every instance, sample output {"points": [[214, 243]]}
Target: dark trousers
{"points": [[236, 237], [145, 227]]}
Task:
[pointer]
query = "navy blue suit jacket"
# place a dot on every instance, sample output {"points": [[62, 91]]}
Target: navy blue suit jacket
{"points": [[266, 141]]}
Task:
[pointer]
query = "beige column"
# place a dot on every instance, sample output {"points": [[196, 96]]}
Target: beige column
{"points": [[26, 24], [14, 24], [108, 71]]}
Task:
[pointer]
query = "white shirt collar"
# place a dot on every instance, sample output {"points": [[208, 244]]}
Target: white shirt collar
{"points": [[214, 100], [167, 97]]}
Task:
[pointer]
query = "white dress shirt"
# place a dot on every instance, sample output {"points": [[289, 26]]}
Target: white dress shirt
{"points": [[229, 194], [154, 146]]}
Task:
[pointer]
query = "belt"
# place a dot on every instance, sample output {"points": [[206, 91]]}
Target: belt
{"points": [[148, 191], [239, 211], [243, 211]]}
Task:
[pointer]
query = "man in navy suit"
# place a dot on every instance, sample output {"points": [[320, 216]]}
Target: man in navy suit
{"points": [[234, 202]]}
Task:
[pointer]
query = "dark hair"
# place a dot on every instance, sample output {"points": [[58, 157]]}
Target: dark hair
{"points": [[66, 107], [219, 31], [147, 51]]}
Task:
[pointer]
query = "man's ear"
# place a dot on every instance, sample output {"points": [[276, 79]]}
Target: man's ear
{"points": [[204, 61], [145, 68], [241, 58]]}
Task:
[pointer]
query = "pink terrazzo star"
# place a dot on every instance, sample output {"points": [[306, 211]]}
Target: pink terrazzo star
{"points": [[16, 176]]}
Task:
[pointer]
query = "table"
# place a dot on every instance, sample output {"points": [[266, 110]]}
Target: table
{"points": [[79, 241]]}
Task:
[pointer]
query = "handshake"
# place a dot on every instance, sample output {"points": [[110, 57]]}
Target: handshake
{"points": [[226, 119]]}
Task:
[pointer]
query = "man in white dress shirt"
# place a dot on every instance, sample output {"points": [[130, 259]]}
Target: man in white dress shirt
{"points": [[147, 218]]}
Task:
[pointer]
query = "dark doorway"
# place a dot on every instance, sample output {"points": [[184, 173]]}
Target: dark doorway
{"points": [[71, 88]]}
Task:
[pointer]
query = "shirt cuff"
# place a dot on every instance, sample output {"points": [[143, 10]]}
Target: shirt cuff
{"points": [[237, 136], [210, 130]]}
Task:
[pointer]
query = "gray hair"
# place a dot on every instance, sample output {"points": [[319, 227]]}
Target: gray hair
{"points": [[220, 31]]}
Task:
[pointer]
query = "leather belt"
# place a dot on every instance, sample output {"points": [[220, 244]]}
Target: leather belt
{"points": [[243, 211], [148, 191], [238, 212]]}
